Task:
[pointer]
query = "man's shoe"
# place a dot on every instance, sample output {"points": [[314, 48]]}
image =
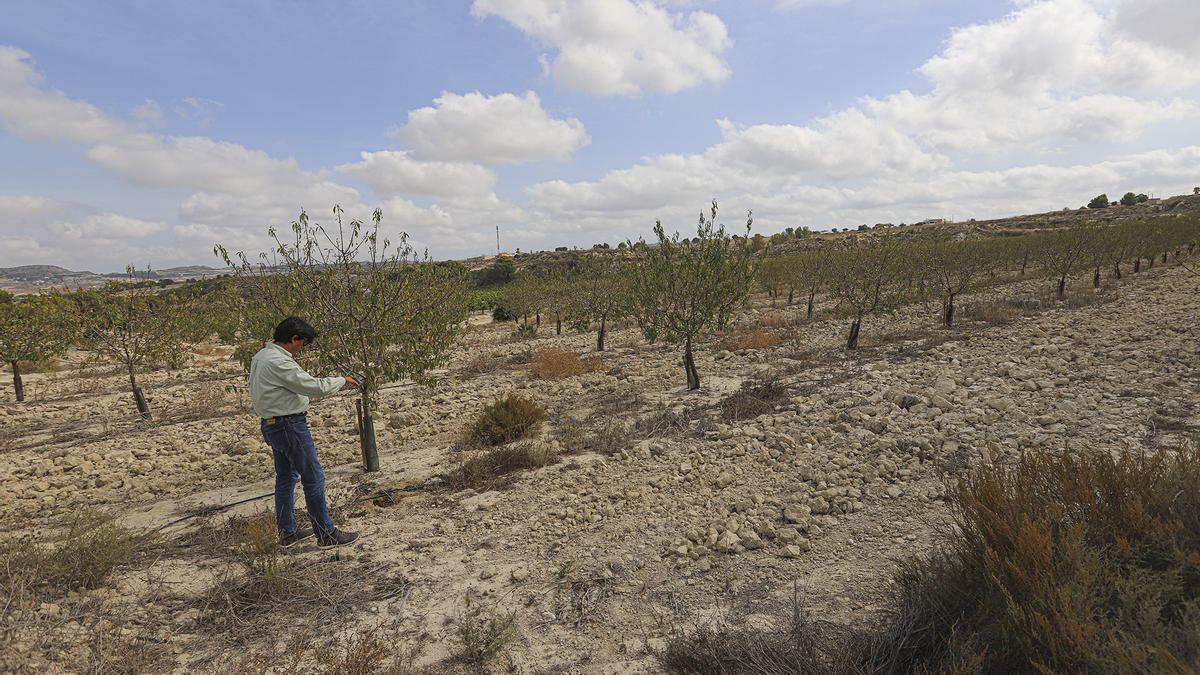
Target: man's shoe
{"points": [[336, 538], [299, 535]]}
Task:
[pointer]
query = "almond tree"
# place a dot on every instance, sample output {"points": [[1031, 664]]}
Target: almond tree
{"points": [[771, 275], [524, 297], [810, 271], [384, 313], [599, 293], [1064, 252], [34, 329], [131, 323], [953, 267], [685, 288], [863, 280], [556, 297], [1123, 245]]}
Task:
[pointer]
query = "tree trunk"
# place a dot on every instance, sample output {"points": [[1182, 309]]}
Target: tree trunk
{"points": [[600, 335], [1151, 260], [557, 323], [949, 315], [791, 295], [811, 296], [1096, 278], [1164, 258], [1117, 270], [539, 318], [773, 295], [17, 383], [1137, 265], [1062, 287], [689, 366], [852, 339], [1024, 263], [366, 436], [139, 399]]}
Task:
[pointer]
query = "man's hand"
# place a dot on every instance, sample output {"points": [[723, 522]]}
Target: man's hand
{"points": [[350, 380]]}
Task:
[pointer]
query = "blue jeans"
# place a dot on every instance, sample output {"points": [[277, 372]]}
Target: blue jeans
{"points": [[296, 459]]}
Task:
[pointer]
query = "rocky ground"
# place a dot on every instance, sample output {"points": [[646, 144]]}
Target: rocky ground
{"points": [[663, 512]]}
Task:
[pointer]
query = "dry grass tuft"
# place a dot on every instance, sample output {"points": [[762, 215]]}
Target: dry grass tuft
{"points": [[507, 419], [381, 649], [90, 550], [482, 636], [1056, 564], [524, 332], [989, 311], [490, 468], [552, 363], [480, 364], [756, 397], [582, 597], [255, 534], [576, 437], [752, 339], [273, 589], [775, 319], [50, 365]]}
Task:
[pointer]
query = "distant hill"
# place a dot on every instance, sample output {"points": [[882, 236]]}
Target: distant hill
{"points": [[30, 278], [38, 273]]}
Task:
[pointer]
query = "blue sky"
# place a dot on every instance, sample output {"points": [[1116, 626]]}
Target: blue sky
{"points": [[143, 132]]}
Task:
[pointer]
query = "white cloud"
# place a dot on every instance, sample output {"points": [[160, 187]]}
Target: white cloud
{"points": [[502, 129], [23, 250], [805, 4], [31, 112], [620, 47], [844, 145], [148, 111], [1055, 76], [391, 173], [107, 226], [19, 211]]}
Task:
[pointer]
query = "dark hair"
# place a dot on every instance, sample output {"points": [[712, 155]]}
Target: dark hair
{"points": [[294, 326]]}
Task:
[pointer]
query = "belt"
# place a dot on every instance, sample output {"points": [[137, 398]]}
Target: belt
{"points": [[280, 418]]}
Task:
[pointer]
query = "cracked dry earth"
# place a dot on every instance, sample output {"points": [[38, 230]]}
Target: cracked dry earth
{"points": [[684, 517]]}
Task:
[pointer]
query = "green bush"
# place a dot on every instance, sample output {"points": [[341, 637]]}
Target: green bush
{"points": [[483, 299], [506, 420]]}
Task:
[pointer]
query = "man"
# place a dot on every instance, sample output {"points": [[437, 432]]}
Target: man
{"points": [[280, 390]]}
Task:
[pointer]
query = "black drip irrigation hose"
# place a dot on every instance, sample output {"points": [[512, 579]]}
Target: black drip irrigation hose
{"points": [[388, 494]]}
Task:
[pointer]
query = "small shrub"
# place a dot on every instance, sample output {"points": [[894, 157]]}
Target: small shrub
{"points": [[255, 534], [754, 339], [483, 635], [47, 365], [371, 652], [508, 419], [792, 646], [379, 650], [274, 588], [521, 357], [488, 467], [989, 311], [84, 557], [501, 315], [1070, 564], [553, 363], [480, 364], [756, 397], [525, 331], [779, 320], [609, 439]]}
